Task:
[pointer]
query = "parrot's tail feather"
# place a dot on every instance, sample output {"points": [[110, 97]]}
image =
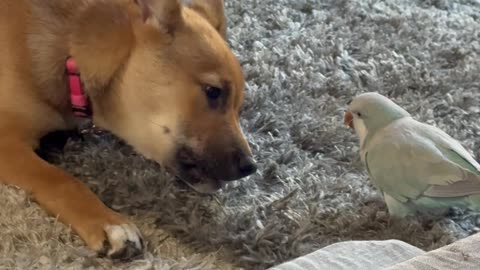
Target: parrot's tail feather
{"points": [[456, 189]]}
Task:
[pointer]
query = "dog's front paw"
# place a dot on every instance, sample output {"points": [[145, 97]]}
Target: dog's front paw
{"points": [[122, 241], [113, 236]]}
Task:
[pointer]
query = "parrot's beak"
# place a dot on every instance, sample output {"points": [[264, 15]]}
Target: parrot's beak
{"points": [[348, 119]]}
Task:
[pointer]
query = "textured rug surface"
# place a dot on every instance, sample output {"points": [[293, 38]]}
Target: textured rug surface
{"points": [[303, 61]]}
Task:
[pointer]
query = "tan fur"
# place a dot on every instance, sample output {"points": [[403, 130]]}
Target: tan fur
{"points": [[144, 64]]}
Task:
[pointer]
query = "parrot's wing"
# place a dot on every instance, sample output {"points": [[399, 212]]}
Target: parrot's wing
{"points": [[458, 155], [450, 147], [407, 162]]}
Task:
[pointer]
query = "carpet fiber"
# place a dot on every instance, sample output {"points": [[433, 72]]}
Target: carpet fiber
{"points": [[303, 61]]}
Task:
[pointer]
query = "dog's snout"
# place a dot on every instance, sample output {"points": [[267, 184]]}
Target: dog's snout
{"points": [[223, 166], [246, 166]]}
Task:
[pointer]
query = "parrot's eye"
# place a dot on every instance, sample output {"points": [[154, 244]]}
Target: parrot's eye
{"points": [[358, 114]]}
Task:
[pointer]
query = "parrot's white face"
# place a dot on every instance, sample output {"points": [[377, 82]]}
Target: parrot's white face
{"points": [[354, 120], [360, 128], [369, 112]]}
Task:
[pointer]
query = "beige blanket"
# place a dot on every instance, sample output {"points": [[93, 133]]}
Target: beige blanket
{"points": [[391, 255], [350, 255], [461, 255]]}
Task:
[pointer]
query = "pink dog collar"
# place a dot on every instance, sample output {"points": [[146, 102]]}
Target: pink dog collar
{"points": [[80, 103]]}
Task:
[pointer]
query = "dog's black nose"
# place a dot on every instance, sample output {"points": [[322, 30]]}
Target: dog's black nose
{"points": [[246, 166]]}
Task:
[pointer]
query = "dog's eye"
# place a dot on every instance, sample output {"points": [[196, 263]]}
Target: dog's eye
{"points": [[212, 92]]}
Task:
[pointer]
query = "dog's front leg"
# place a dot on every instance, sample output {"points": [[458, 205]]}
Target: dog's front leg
{"points": [[60, 194]]}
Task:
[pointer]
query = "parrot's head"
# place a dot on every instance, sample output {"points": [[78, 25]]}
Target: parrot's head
{"points": [[369, 112]]}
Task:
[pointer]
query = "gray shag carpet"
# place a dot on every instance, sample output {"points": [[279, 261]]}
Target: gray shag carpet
{"points": [[303, 60]]}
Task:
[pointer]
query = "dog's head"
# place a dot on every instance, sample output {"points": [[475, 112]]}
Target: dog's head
{"points": [[161, 76]]}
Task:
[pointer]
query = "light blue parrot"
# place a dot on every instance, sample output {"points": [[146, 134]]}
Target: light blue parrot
{"points": [[417, 167]]}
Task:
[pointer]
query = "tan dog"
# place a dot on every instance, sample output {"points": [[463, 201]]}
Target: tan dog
{"points": [[158, 74]]}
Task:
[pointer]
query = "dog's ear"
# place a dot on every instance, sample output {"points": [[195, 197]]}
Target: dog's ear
{"points": [[100, 42], [161, 14], [213, 11]]}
